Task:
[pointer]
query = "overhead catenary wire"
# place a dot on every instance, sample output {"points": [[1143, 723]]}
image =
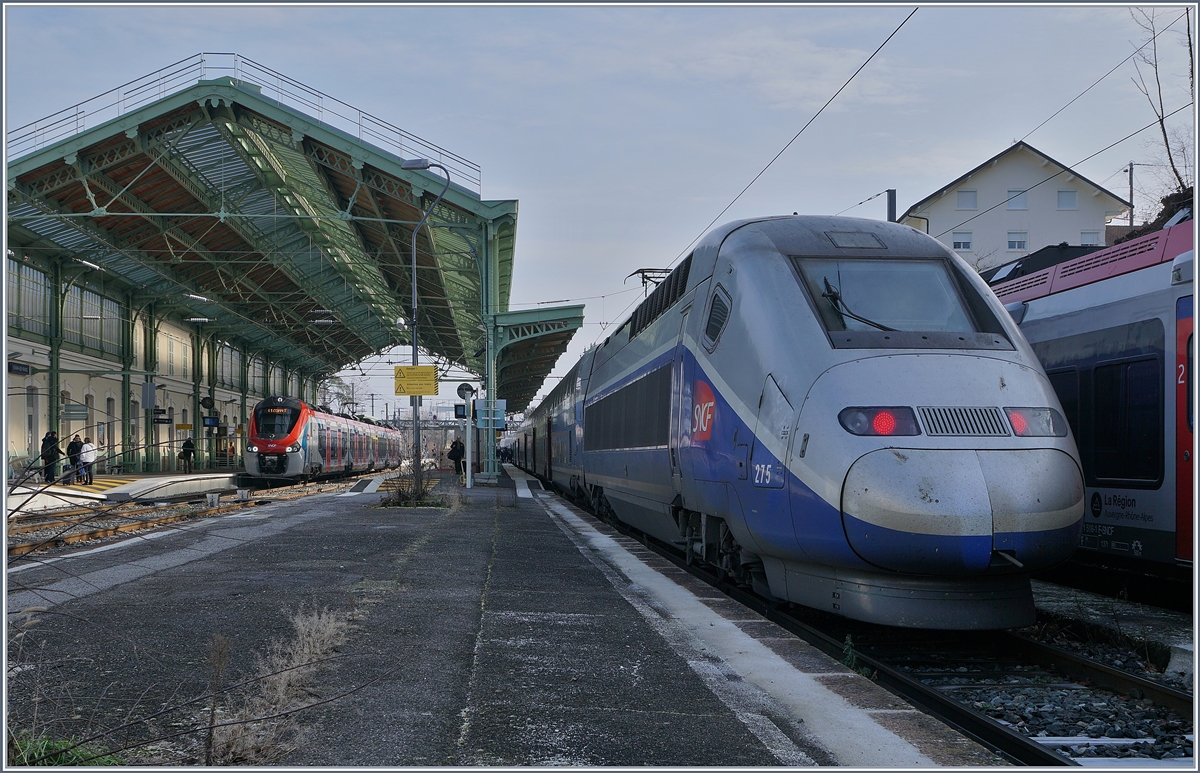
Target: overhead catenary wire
{"points": [[782, 151], [1068, 104], [1110, 72], [797, 135], [864, 201], [1065, 170]]}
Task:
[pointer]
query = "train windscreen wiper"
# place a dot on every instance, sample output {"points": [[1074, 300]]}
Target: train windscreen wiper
{"points": [[834, 297]]}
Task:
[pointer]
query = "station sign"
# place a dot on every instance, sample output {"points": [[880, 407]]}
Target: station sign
{"points": [[73, 412], [490, 417], [416, 380], [162, 419], [19, 368], [159, 411], [209, 421], [182, 427]]}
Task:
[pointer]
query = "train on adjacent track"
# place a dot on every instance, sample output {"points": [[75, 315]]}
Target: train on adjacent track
{"points": [[1114, 331], [836, 411], [290, 439]]}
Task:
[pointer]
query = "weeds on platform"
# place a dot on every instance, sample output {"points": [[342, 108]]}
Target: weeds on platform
{"points": [[259, 723], [57, 719], [38, 734], [850, 660], [404, 490], [401, 496], [24, 750]]}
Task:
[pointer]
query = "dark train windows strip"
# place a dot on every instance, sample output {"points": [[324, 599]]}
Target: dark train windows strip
{"points": [[635, 416]]}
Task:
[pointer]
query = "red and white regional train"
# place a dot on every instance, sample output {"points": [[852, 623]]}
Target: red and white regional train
{"points": [[291, 439], [1113, 329]]}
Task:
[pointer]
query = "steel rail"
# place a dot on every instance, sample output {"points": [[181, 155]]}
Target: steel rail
{"points": [[1102, 676], [982, 729], [24, 548]]}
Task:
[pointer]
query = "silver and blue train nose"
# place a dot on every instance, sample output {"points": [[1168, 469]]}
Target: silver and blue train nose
{"points": [[964, 512]]}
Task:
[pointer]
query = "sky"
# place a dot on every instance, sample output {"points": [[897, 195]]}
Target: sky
{"points": [[624, 132]]}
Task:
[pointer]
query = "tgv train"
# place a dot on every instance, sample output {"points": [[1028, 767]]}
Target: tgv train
{"points": [[1114, 330], [291, 439], [836, 411]]}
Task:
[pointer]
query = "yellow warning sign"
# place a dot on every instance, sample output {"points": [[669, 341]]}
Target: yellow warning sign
{"points": [[416, 380]]}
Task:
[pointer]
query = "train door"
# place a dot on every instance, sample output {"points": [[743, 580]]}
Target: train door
{"points": [[1185, 427], [681, 400], [549, 448]]}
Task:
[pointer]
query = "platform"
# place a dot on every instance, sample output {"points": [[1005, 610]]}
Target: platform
{"points": [[1173, 630], [34, 497], [500, 630]]}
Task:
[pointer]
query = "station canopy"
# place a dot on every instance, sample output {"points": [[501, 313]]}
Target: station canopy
{"points": [[278, 219]]}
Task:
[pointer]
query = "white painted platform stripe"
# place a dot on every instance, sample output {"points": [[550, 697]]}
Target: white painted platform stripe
{"points": [[767, 681]]}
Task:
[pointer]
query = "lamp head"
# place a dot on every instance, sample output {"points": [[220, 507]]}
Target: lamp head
{"points": [[415, 163]]}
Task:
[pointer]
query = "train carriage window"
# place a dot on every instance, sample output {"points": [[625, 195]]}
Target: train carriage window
{"points": [[1128, 421], [718, 315]]}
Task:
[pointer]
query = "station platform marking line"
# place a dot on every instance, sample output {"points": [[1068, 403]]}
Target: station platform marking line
{"points": [[98, 485], [850, 734]]}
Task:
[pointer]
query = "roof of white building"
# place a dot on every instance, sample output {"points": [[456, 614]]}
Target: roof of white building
{"points": [[1010, 149]]}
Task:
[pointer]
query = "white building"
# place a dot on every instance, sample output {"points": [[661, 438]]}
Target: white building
{"points": [[1016, 202]]}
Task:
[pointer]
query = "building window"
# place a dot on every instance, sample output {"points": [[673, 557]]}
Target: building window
{"points": [[1017, 240], [28, 299], [962, 240], [967, 200], [111, 324], [1067, 200], [1089, 238], [1016, 200]]}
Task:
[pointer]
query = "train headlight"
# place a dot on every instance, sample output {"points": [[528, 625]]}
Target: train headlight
{"points": [[1036, 422], [293, 448], [879, 421], [252, 449]]}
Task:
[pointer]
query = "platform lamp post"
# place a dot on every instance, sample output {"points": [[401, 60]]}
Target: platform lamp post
{"points": [[419, 164]]}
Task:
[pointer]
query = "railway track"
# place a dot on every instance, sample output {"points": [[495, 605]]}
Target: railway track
{"points": [[65, 526], [1030, 702]]}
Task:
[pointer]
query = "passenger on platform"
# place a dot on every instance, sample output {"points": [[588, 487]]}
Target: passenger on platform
{"points": [[50, 454], [72, 470], [189, 450], [456, 454], [87, 458]]}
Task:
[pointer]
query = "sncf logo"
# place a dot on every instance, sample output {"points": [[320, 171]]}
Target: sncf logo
{"points": [[704, 405]]}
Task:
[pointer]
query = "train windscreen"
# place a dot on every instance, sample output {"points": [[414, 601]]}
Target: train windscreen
{"points": [[890, 295], [275, 420]]}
